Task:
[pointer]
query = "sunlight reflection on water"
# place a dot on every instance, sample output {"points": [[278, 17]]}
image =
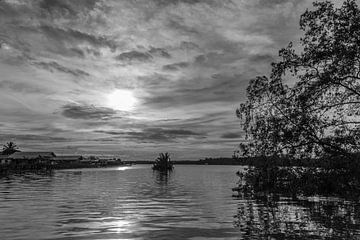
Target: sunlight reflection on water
{"points": [[133, 202]]}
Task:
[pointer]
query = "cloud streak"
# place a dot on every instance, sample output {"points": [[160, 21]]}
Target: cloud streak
{"points": [[87, 112], [154, 134]]}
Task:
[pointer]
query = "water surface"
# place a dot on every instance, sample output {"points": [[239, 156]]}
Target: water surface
{"points": [[193, 202]]}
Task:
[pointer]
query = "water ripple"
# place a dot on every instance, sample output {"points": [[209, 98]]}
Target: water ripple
{"points": [[193, 202]]}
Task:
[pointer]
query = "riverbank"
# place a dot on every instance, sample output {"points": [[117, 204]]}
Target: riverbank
{"points": [[16, 169]]}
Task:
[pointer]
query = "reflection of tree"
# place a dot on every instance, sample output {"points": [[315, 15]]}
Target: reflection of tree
{"points": [[267, 218], [298, 181], [162, 178]]}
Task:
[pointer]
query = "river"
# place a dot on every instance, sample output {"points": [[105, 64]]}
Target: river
{"points": [[193, 202]]}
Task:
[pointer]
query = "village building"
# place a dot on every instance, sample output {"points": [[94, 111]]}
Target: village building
{"points": [[31, 158], [66, 159]]}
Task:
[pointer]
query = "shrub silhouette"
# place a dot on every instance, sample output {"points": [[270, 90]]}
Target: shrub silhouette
{"points": [[163, 162], [10, 148]]}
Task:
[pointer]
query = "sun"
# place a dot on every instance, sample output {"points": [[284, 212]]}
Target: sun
{"points": [[121, 99]]}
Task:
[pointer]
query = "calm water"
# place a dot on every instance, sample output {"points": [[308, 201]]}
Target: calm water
{"points": [[193, 202]]}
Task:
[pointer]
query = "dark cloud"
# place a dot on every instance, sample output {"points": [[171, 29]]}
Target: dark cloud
{"points": [[231, 135], [200, 59], [179, 26], [153, 81], [220, 87], [154, 134], [159, 52], [164, 3], [87, 112], [8, 9], [267, 58], [54, 6], [216, 60], [51, 66], [60, 34], [82, 52], [275, 3], [66, 7], [175, 66], [188, 45], [170, 2], [32, 137], [94, 52], [22, 87], [134, 56], [78, 52]]}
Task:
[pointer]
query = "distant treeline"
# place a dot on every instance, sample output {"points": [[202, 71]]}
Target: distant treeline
{"points": [[333, 162], [207, 161]]}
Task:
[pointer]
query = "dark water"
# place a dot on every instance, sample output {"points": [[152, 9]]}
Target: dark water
{"points": [[194, 202]]}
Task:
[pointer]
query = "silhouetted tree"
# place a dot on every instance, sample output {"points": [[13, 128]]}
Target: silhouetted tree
{"points": [[319, 113], [10, 148], [163, 162]]}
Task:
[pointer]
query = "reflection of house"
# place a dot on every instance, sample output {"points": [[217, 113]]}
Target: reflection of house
{"points": [[31, 158], [109, 160], [90, 160], [101, 160], [4, 160], [67, 159]]}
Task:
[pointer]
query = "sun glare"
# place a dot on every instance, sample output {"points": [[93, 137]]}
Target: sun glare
{"points": [[123, 100]]}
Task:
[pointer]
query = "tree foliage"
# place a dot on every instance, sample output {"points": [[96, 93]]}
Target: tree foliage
{"points": [[163, 162], [10, 148], [310, 104]]}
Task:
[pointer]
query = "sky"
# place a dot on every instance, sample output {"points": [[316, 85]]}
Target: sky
{"points": [[138, 77]]}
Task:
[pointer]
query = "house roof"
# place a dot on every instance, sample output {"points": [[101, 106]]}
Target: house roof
{"points": [[32, 155], [67, 157], [4, 157]]}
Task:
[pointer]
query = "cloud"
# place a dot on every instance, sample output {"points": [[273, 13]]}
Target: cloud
{"points": [[231, 135], [257, 58], [276, 3], [219, 87], [87, 112], [175, 66], [32, 137], [159, 52], [54, 6], [154, 81], [71, 35], [65, 8], [22, 87], [169, 2], [188, 62], [134, 56], [50, 66], [179, 26], [137, 56], [154, 134], [185, 45]]}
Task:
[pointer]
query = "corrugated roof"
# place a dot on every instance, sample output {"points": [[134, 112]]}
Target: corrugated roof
{"points": [[32, 155]]}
